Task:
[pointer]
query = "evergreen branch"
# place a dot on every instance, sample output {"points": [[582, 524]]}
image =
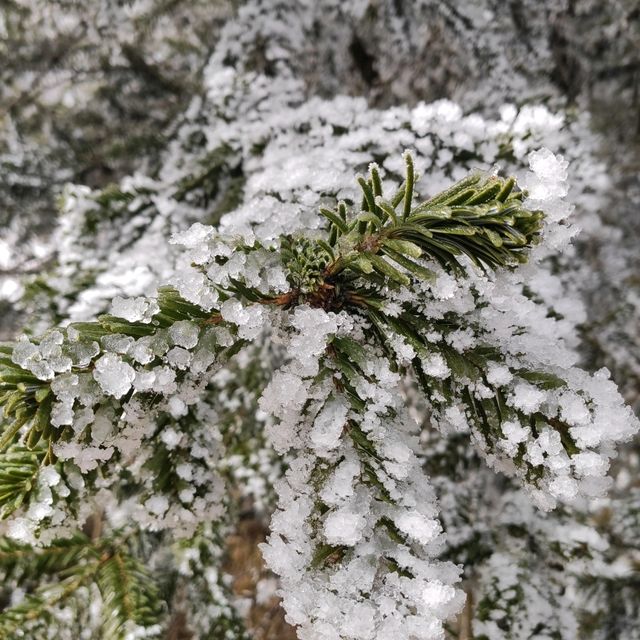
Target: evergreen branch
{"points": [[24, 563], [129, 595], [356, 502], [487, 413], [507, 596], [26, 399], [19, 469], [481, 217], [37, 610], [354, 494]]}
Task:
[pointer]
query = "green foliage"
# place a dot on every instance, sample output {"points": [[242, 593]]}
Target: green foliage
{"points": [[26, 402], [467, 369], [481, 217], [36, 614], [527, 604], [59, 576], [23, 563], [129, 595], [18, 476]]}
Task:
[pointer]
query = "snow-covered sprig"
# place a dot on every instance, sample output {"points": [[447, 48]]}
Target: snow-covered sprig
{"points": [[553, 427], [481, 219], [355, 315]]}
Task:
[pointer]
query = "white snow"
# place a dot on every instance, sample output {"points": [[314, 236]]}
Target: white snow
{"points": [[114, 376]]}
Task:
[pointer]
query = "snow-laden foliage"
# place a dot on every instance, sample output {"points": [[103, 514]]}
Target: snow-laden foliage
{"points": [[395, 292], [341, 314]]}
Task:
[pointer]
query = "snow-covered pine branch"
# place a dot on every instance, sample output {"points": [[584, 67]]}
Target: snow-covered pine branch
{"points": [[391, 292]]}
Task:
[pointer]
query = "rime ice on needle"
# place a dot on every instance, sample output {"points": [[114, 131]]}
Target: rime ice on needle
{"points": [[114, 376], [184, 334], [138, 309], [45, 359]]}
